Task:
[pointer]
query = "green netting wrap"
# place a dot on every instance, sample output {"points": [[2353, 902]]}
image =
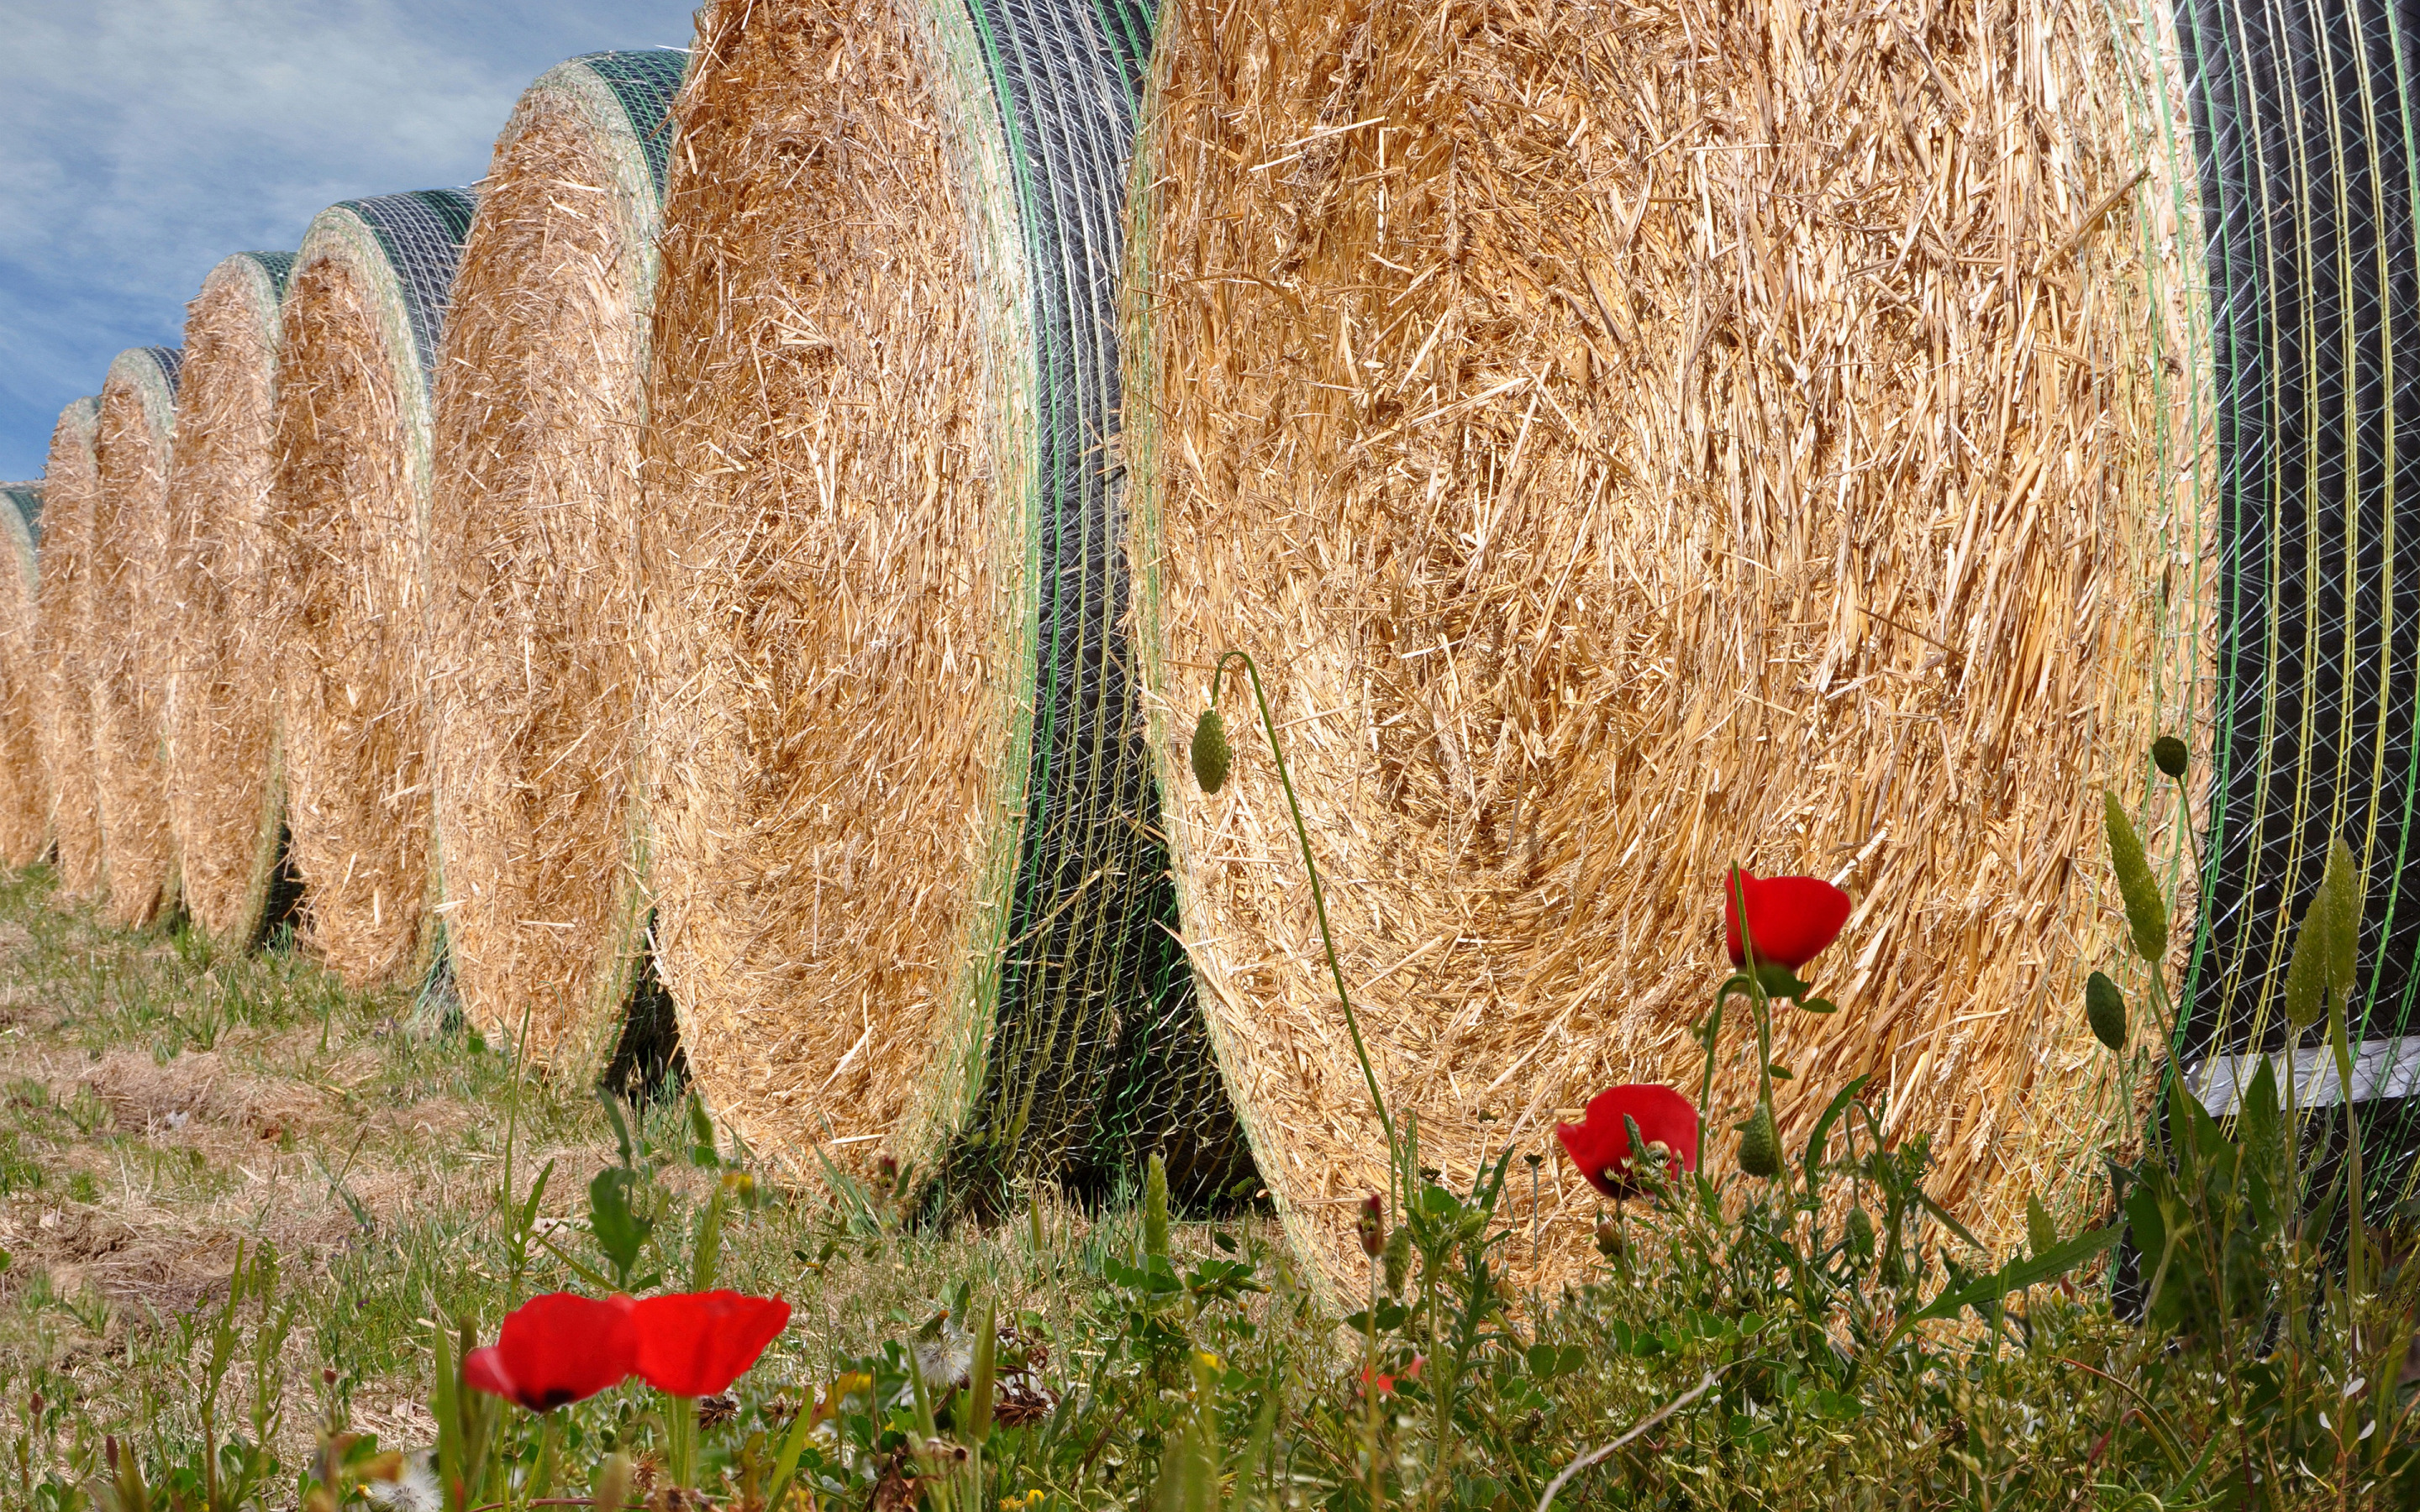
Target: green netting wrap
{"points": [[25, 792], [2303, 118], [123, 654], [225, 771], [911, 901], [26, 497], [644, 84], [1099, 1052], [363, 316], [533, 617]]}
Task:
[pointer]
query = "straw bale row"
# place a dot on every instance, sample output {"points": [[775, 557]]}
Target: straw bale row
{"points": [[24, 795], [1635, 438]]}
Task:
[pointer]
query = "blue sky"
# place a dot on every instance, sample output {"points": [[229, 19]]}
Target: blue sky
{"points": [[141, 141]]}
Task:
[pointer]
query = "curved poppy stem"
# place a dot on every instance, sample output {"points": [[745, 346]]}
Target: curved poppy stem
{"points": [[1760, 1009], [680, 1435], [1318, 898], [541, 1481]]}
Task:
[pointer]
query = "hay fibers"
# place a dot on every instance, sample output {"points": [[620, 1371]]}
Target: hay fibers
{"points": [[64, 701], [1635, 439], [130, 449], [532, 549], [900, 808], [25, 784], [364, 311], [224, 775]]}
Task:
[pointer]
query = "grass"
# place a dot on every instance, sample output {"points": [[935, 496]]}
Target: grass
{"points": [[163, 1106], [238, 1201]]}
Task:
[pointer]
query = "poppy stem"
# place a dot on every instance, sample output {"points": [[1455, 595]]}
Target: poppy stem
{"points": [[541, 1480], [1760, 1007], [1318, 898], [681, 1441]]}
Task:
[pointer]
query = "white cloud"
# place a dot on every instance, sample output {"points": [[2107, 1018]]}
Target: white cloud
{"points": [[141, 141]]}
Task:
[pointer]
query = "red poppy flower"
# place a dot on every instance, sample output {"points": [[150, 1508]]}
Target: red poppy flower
{"points": [[1789, 918], [1599, 1144], [1385, 1383], [557, 1348], [697, 1343]]}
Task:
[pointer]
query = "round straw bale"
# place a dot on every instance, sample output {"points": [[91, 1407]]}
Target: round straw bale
{"points": [[1633, 441], [63, 704], [224, 776], [364, 307], [24, 783], [910, 901], [138, 424], [532, 625]]}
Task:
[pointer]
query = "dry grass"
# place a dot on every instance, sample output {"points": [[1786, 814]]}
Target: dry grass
{"points": [[832, 574], [224, 785], [533, 578], [24, 781], [347, 500], [1635, 438], [123, 660], [62, 604]]}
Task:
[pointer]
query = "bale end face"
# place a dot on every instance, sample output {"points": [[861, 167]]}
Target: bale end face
{"points": [[1586, 557], [63, 611], [363, 313], [25, 781], [534, 623], [125, 655], [223, 777]]}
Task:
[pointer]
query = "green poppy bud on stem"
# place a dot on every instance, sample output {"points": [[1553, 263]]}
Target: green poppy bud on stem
{"points": [[2104, 1009], [1210, 752], [1155, 1207], [1861, 1233], [2147, 912], [2168, 753], [2340, 890], [1760, 1149], [614, 1484], [1397, 1259], [2307, 970]]}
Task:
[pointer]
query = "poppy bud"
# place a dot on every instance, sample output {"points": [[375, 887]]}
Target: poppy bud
{"points": [[614, 1484], [2306, 968], [1861, 1233], [2147, 912], [1609, 1238], [1210, 752], [1398, 1259], [1760, 1149], [2341, 887], [1155, 1207], [1371, 1225], [2168, 753], [2104, 1009]]}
